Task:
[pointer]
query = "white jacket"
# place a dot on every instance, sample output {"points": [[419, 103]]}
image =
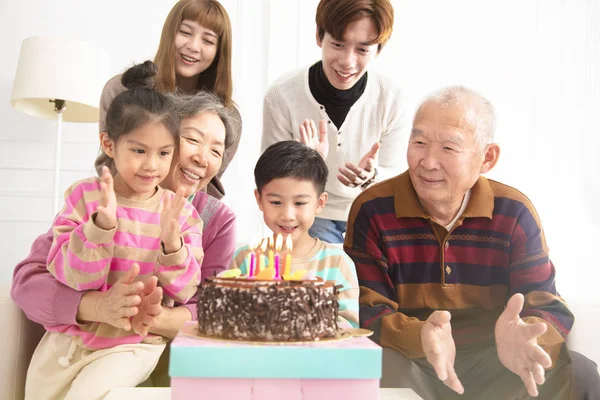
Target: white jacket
{"points": [[379, 114]]}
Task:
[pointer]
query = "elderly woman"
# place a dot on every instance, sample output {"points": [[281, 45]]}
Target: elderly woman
{"points": [[206, 127]]}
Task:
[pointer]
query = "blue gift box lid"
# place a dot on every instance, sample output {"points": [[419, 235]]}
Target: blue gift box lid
{"points": [[194, 357]]}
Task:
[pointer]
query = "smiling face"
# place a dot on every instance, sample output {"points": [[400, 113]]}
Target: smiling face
{"points": [[289, 207], [444, 157], [200, 155], [346, 61], [142, 159], [195, 49]]}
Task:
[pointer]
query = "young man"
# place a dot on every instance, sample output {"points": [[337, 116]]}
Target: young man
{"points": [[290, 183], [362, 114]]}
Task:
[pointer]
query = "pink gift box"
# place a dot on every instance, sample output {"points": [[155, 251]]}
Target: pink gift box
{"points": [[212, 369]]}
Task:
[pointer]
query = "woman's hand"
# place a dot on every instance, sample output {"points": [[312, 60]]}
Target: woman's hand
{"points": [[107, 205], [170, 234]]}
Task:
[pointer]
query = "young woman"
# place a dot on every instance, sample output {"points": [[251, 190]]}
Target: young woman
{"points": [[47, 301], [194, 54]]}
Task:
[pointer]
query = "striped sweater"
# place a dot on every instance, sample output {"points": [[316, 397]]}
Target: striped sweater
{"points": [[328, 262], [86, 257], [408, 266], [379, 115]]}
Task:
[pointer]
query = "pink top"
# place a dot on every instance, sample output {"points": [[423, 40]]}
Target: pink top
{"points": [[48, 302], [86, 257]]}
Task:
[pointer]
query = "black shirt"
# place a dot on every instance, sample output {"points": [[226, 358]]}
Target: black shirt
{"points": [[337, 102]]}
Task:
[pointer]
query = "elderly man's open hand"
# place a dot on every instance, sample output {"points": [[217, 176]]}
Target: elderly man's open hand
{"points": [[439, 348], [516, 343]]}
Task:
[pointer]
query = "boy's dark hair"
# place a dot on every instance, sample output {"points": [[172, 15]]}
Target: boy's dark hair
{"points": [[291, 159], [136, 106]]}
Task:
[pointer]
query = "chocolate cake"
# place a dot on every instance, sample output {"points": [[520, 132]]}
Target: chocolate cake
{"points": [[267, 310]]}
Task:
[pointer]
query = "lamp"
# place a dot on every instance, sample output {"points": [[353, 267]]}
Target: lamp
{"points": [[59, 79]]}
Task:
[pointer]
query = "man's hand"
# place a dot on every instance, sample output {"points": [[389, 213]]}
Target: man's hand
{"points": [[107, 205], [439, 348], [516, 343], [119, 303], [169, 221], [149, 308], [355, 175], [316, 140]]}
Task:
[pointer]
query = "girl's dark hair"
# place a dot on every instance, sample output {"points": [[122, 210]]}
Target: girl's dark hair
{"points": [[291, 159], [138, 105]]}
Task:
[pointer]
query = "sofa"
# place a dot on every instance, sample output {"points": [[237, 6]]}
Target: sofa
{"points": [[22, 336]]}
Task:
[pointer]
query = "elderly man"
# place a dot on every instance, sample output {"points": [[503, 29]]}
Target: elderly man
{"points": [[454, 271]]}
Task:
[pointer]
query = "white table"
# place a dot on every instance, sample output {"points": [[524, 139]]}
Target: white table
{"points": [[165, 394]]}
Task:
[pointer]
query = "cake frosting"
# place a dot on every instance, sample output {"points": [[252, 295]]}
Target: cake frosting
{"points": [[267, 310]]}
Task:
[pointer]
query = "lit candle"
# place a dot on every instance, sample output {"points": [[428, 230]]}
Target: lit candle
{"points": [[288, 257], [259, 256], [248, 268], [248, 258], [278, 244], [277, 276], [251, 262], [271, 258]]}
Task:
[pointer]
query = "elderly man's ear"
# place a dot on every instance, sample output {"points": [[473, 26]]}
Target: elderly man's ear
{"points": [[492, 153]]}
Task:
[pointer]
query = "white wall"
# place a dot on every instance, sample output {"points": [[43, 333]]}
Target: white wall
{"points": [[536, 60], [129, 31]]}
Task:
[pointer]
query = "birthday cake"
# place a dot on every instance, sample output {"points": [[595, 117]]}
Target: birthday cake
{"points": [[252, 309]]}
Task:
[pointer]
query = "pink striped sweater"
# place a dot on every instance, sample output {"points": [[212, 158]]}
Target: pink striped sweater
{"points": [[86, 257]]}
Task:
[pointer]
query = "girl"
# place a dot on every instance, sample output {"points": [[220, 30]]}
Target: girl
{"points": [[109, 226], [194, 54]]}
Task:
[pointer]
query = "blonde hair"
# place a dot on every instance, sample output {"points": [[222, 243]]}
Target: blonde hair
{"points": [[211, 15]]}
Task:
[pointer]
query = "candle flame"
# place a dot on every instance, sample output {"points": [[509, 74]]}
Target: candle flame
{"points": [[263, 246], [270, 242], [288, 243], [278, 242]]}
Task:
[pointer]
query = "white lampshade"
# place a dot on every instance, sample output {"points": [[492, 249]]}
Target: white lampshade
{"points": [[52, 68]]}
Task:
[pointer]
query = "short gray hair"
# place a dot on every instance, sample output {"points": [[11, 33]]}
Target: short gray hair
{"points": [[454, 95], [191, 105]]}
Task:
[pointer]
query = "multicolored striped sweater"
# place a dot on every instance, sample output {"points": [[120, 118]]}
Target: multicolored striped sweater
{"points": [[408, 266], [328, 262], [86, 257]]}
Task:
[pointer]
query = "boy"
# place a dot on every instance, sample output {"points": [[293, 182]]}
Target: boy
{"points": [[364, 115], [290, 190]]}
